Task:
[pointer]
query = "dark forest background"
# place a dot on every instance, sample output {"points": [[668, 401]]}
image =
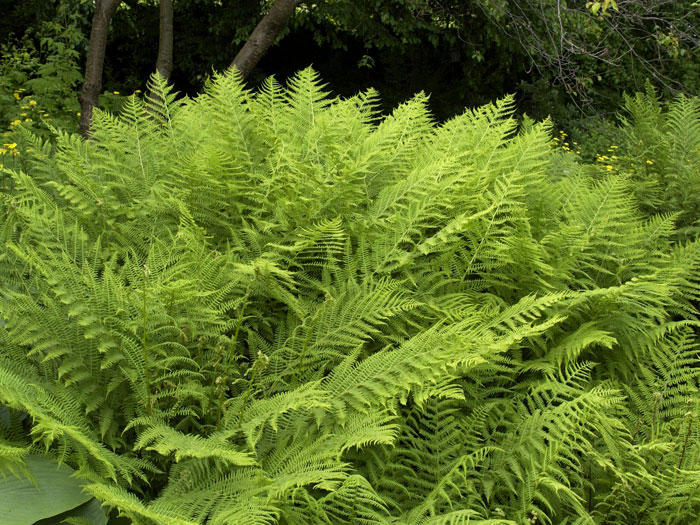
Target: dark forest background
{"points": [[569, 60]]}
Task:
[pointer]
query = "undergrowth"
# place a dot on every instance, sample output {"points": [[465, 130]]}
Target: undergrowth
{"points": [[278, 307]]}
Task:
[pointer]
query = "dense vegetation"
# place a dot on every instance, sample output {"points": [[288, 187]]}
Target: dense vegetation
{"points": [[255, 302], [279, 307], [564, 59]]}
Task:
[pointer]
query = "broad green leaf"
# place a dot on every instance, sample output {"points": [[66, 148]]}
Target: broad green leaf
{"points": [[90, 513], [24, 503]]}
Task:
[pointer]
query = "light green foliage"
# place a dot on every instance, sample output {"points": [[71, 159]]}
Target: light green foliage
{"points": [[275, 307]]}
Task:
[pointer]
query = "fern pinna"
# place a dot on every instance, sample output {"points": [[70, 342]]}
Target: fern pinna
{"points": [[278, 307]]}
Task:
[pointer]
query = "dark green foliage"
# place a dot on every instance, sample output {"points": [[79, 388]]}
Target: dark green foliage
{"points": [[41, 68], [663, 156], [275, 307]]}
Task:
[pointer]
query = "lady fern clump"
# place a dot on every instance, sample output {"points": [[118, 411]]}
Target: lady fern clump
{"points": [[278, 307]]}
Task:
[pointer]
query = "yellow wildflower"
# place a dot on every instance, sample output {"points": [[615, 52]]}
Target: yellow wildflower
{"points": [[28, 120], [137, 91], [650, 162], [3, 151], [45, 115], [613, 147], [609, 167], [78, 113], [32, 102], [14, 123], [13, 145], [116, 92], [25, 107], [16, 95], [22, 114]]}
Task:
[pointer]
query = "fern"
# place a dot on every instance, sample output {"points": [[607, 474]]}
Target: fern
{"points": [[279, 307]]}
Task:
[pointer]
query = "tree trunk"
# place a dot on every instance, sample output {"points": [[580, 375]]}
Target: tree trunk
{"points": [[264, 35], [164, 64], [92, 84]]}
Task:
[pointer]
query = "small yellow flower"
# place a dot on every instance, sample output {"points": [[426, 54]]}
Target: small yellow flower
{"points": [[16, 95], [12, 145], [78, 113], [32, 102], [3, 151], [45, 115], [609, 167], [22, 114], [116, 92], [650, 162], [25, 107], [556, 139], [14, 123], [137, 91], [613, 147], [27, 120]]}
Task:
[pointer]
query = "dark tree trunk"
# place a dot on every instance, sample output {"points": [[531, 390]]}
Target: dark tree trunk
{"points": [[264, 35], [92, 84], [164, 64]]}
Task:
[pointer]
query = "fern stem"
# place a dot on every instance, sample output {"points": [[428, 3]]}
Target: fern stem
{"points": [[238, 325], [685, 441], [247, 395], [610, 508], [307, 340], [228, 360], [655, 413], [144, 344], [590, 487]]}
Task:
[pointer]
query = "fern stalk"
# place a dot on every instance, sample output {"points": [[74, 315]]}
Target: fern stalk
{"points": [[239, 322], [685, 441], [144, 341]]}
